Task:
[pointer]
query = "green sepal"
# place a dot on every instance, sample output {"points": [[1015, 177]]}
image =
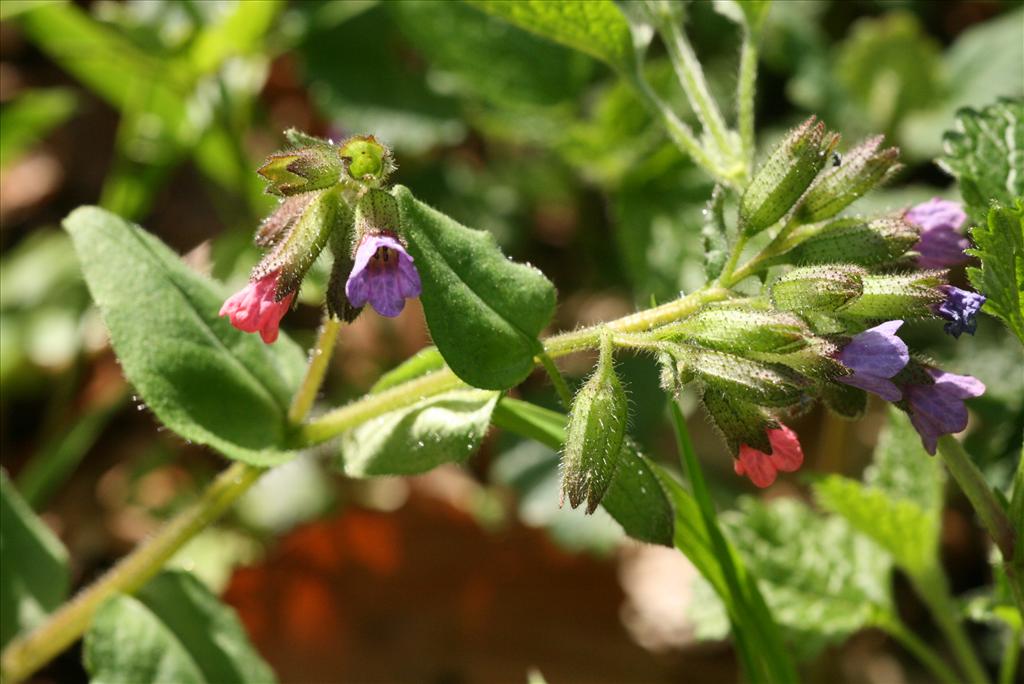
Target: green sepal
{"points": [[593, 440], [376, 212], [864, 242], [740, 330], [818, 288], [906, 296], [845, 401], [860, 170], [762, 383], [274, 227], [739, 422], [715, 235], [302, 169], [341, 242], [785, 175], [816, 360]]}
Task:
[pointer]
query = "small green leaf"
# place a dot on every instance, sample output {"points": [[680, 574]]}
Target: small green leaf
{"points": [[204, 379], [986, 154], [1000, 246], [175, 630], [34, 572], [484, 311], [596, 27], [446, 428]]}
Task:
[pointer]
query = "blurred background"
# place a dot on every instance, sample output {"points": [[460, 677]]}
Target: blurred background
{"points": [[161, 110]]}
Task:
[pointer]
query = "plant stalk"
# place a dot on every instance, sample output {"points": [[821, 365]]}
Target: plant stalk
{"points": [[745, 91], [892, 626], [933, 588]]}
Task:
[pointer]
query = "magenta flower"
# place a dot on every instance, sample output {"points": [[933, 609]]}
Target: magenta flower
{"points": [[254, 309], [383, 275], [942, 244], [875, 356], [761, 468], [939, 409], [959, 309]]}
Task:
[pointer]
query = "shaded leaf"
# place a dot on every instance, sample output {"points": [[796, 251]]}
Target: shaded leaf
{"points": [[1000, 246]]}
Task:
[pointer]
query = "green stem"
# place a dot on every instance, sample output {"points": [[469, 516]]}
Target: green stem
{"points": [[892, 626], [934, 590], [745, 91], [26, 655], [998, 525], [1011, 657], [557, 379]]}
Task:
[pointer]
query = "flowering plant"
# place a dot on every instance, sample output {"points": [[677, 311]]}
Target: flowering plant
{"points": [[812, 300]]}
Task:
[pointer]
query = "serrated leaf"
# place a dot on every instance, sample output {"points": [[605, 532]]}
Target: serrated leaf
{"points": [[34, 576], [446, 428], [174, 630], [985, 151], [1000, 246], [204, 379], [484, 311], [596, 27]]}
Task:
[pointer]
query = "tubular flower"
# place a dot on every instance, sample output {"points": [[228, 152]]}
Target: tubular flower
{"points": [[255, 309], [761, 468], [383, 275], [959, 309], [942, 244], [875, 356], [938, 409]]}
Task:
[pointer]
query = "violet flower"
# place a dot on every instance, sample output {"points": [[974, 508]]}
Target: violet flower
{"points": [[383, 275], [875, 356], [761, 468], [942, 244], [959, 309], [254, 309], [939, 409]]}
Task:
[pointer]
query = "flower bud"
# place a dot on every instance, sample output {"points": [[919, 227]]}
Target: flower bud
{"points": [[740, 330], [302, 170], [366, 160], [817, 288], [739, 422], [785, 175], [594, 437], [855, 241], [862, 169], [898, 296], [759, 382], [298, 244]]}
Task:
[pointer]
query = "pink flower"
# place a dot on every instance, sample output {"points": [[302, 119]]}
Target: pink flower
{"points": [[762, 468], [942, 244], [254, 308]]}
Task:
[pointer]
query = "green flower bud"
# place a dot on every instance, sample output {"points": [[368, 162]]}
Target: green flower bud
{"points": [[817, 288], [861, 169], [856, 241], [738, 421], [740, 330], [759, 382], [906, 296], [816, 360], [594, 436], [303, 169], [785, 175], [301, 238], [366, 160]]}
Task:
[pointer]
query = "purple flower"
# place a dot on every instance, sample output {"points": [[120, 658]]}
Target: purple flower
{"points": [[383, 274], [959, 308], [941, 244], [938, 409], [875, 356]]}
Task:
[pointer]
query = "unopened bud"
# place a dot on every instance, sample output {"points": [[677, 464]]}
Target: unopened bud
{"points": [[785, 175], [299, 243], [861, 169], [302, 170], [856, 241], [366, 160], [739, 422], [594, 436], [898, 296], [817, 288], [740, 330], [759, 382]]}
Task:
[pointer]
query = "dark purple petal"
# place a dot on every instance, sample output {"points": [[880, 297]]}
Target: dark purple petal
{"points": [[960, 308], [937, 213], [876, 352], [883, 387], [939, 409]]}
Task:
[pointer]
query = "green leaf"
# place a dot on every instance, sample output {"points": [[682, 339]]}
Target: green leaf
{"points": [[29, 117], [34, 572], [635, 497], [747, 13], [596, 27], [446, 428], [986, 154], [1000, 246], [900, 504], [174, 630], [484, 311], [204, 379]]}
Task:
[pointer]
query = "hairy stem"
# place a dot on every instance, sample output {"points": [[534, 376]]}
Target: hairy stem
{"points": [[931, 584], [892, 626], [745, 91], [319, 359], [557, 379]]}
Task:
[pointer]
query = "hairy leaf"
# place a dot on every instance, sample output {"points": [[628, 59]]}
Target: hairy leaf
{"points": [[1000, 246], [204, 379]]}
